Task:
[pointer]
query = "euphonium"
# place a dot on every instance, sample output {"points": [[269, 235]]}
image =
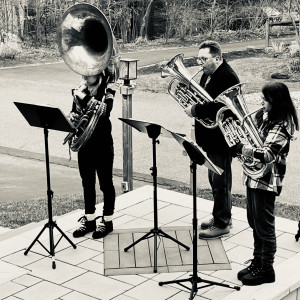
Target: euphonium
{"points": [[184, 89], [88, 47], [240, 127]]}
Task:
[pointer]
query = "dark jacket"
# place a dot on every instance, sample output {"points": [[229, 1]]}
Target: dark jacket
{"points": [[101, 138], [212, 140]]}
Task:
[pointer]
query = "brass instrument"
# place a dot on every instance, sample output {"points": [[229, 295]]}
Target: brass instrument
{"points": [[239, 127], [184, 89], [88, 46]]}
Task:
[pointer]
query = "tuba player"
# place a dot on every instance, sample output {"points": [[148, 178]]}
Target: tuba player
{"points": [[96, 156]]}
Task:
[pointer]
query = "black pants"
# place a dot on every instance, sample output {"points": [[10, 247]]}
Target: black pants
{"points": [[100, 162], [260, 214], [221, 188]]}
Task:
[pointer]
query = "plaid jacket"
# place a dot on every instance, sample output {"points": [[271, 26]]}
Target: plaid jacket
{"points": [[276, 137]]}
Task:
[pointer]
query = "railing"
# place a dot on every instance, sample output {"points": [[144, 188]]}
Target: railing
{"points": [[269, 26]]}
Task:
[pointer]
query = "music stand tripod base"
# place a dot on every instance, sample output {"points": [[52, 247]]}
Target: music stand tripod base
{"points": [[197, 156], [47, 117], [153, 131]]}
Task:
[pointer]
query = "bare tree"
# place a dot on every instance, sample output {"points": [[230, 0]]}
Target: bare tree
{"points": [[144, 26]]}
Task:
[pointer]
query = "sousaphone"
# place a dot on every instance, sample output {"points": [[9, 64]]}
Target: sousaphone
{"points": [[87, 45]]}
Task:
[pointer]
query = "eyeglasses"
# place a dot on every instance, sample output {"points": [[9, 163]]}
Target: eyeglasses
{"points": [[202, 60]]}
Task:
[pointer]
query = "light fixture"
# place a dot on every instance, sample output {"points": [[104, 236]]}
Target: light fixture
{"points": [[128, 69]]}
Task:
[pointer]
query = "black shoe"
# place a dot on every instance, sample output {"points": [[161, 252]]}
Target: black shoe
{"points": [[255, 263], [84, 227], [103, 229], [262, 274]]}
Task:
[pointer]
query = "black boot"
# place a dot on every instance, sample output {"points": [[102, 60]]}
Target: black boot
{"points": [[103, 229], [255, 263], [85, 227], [262, 274]]}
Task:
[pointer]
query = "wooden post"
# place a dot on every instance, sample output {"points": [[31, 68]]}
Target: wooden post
{"points": [[127, 184], [267, 26]]}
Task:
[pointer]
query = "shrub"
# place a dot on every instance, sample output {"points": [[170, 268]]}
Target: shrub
{"points": [[294, 49], [10, 45]]}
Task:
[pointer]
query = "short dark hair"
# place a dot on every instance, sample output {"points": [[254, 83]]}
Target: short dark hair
{"points": [[214, 47], [277, 93]]}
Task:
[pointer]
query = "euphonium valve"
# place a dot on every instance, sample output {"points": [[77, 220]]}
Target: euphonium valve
{"points": [[184, 89]]}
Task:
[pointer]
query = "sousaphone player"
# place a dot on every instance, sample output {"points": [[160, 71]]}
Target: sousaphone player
{"points": [[88, 47]]}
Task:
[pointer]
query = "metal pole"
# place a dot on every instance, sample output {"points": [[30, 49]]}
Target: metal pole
{"points": [[127, 91]]}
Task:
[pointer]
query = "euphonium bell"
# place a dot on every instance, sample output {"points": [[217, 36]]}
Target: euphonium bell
{"points": [[240, 127]]}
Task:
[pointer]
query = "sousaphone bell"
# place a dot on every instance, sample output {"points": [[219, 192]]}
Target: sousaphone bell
{"points": [[88, 47]]}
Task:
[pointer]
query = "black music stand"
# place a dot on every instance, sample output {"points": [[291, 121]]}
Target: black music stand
{"points": [[197, 157], [153, 131], [47, 117]]}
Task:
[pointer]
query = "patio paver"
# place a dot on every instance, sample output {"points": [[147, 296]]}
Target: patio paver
{"points": [[79, 273]]}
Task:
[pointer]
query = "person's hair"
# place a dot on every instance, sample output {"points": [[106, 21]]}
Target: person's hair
{"points": [[214, 47], [277, 93]]}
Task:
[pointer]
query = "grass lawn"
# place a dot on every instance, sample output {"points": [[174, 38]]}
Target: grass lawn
{"points": [[255, 71]]}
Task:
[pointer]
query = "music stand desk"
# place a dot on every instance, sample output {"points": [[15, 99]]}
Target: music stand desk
{"points": [[197, 157], [153, 131], [47, 117]]}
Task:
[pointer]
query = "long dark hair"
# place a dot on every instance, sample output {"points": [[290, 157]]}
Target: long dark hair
{"points": [[277, 93]]}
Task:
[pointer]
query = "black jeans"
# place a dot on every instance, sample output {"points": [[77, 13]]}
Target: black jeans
{"points": [[260, 214], [221, 188], [100, 162]]}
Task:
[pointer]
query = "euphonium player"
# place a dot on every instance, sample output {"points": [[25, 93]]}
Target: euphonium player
{"points": [[276, 124], [217, 77], [96, 155]]}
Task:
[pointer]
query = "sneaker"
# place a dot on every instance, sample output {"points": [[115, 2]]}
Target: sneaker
{"points": [[255, 263], [260, 275], [207, 224], [213, 232], [85, 227], [103, 229]]}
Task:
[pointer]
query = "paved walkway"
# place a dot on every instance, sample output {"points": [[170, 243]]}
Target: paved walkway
{"points": [[79, 272]]}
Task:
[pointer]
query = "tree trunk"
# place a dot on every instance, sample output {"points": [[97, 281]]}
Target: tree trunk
{"points": [[144, 26], [16, 5], [212, 16]]}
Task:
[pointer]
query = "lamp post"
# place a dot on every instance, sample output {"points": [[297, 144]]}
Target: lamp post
{"points": [[128, 71]]}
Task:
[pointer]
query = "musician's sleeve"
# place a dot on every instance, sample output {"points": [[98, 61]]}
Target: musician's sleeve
{"points": [[109, 99], [273, 145], [206, 110]]}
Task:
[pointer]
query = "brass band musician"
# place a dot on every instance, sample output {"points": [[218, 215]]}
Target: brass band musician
{"points": [[276, 123], [96, 155], [217, 77]]}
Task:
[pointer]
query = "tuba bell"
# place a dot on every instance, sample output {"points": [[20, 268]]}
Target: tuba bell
{"points": [[184, 89], [236, 124], [88, 47]]}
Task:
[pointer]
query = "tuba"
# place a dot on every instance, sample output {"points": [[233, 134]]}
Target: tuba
{"points": [[88, 47], [184, 89], [239, 127]]}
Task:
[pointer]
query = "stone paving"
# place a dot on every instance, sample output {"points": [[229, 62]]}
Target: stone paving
{"points": [[79, 272]]}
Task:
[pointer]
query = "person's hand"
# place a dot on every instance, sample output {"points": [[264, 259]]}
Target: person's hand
{"points": [[188, 111], [74, 118], [79, 92], [97, 106], [236, 149]]}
